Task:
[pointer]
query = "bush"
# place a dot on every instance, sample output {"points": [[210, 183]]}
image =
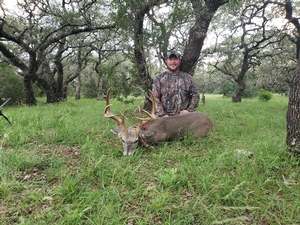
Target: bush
{"points": [[264, 95], [226, 89], [250, 91], [11, 85], [90, 89]]}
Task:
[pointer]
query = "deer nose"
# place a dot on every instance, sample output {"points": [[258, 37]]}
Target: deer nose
{"points": [[127, 151], [130, 149]]}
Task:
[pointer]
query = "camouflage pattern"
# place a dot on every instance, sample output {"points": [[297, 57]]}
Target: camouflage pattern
{"points": [[174, 93]]}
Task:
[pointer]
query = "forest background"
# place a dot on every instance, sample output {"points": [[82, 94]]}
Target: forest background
{"points": [[58, 161], [60, 49]]}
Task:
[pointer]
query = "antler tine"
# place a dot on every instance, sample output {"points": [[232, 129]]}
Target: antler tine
{"points": [[140, 125], [1, 114], [151, 116], [109, 114], [4, 103], [107, 96], [153, 104]]}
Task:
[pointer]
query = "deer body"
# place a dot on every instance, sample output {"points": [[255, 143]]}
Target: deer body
{"points": [[170, 128], [153, 130]]}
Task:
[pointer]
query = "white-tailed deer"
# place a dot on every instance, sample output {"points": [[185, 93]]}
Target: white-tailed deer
{"points": [[154, 130]]}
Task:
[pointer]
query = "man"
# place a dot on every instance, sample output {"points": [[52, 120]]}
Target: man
{"points": [[175, 92]]}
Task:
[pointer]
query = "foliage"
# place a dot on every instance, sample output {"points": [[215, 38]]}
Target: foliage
{"points": [[45, 40], [228, 88], [243, 45], [264, 95], [90, 89], [166, 26], [11, 84], [250, 91], [59, 164]]}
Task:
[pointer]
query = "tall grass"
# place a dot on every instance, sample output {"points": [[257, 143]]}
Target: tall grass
{"points": [[59, 164]]}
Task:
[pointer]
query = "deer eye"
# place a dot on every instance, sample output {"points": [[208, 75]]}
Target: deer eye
{"points": [[123, 141]]}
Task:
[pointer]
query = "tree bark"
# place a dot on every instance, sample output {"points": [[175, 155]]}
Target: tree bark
{"points": [[237, 97], [293, 114], [49, 86], [70, 78], [29, 93], [60, 70], [78, 91], [197, 34], [139, 52]]}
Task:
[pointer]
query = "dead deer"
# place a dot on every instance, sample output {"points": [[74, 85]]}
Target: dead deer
{"points": [[153, 130]]}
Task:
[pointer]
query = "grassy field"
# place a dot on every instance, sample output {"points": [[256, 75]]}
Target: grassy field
{"points": [[60, 164]]}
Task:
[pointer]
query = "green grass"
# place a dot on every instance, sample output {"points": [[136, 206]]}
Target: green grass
{"points": [[60, 164]]}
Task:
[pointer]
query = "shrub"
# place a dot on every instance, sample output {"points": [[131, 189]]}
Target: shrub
{"points": [[227, 89], [90, 89], [11, 85], [250, 91], [264, 95]]}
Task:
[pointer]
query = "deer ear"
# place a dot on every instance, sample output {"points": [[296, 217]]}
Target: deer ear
{"points": [[115, 131], [147, 134]]}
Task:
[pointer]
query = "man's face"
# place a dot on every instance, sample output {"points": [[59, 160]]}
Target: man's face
{"points": [[173, 63]]}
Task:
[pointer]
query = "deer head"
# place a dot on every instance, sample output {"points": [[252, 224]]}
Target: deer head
{"points": [[130, 136]]}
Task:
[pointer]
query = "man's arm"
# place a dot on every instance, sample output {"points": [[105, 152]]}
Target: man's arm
{"points": [[195, 96], [157, 96]]}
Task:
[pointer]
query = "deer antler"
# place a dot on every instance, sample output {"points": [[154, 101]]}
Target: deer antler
{"points": [[151, 116], [1, 114], [109, 114]]}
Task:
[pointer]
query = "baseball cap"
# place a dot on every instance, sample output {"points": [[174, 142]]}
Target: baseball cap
{"points": [[176, 54]]}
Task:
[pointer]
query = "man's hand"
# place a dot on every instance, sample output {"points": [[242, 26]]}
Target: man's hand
{"points": [[183, 111]]}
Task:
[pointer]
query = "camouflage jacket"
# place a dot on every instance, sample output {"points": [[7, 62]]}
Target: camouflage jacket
{"points": [[174, 93]]}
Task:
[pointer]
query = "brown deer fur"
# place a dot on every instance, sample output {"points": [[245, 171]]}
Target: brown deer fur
{"points": [[154, 130]]}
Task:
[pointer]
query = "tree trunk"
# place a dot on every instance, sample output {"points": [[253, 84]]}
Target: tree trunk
{"points": [[49, 85], [197, 34], [237, 97], [60, 70], [293, 114], [139, 52], [100, 92], [70, 78], [50, 94], [77, 95], [30, 97]]}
